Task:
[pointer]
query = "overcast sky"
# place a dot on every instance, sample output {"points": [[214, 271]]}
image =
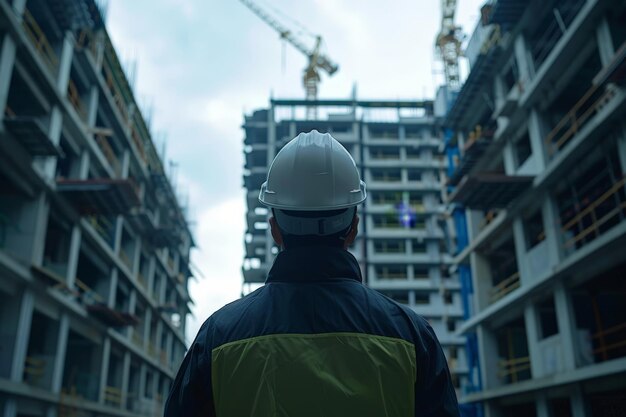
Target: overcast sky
{"points": [[202, 64]]}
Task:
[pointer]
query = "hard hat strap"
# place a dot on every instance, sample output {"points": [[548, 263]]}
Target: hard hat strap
{"points": [[317, 226]]}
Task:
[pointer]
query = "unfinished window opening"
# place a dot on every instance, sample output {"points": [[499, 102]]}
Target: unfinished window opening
{"points": [[391, 271], [447, 297], [127, 249], [76, 94], [82, 362], [510, 76], [600, 315], [514, 360], [104, 225], [414, 132], [389, 246], [21, 102], [549, 30], [533, 230], [144, 270], [386, 175], [523, 150], [416, 201], [504, 272], [451, 327], [384, 152], [546, 312], [383, 132], [592, 202], [560, 407], [422, 298], [149, 387], [342, 128], [138, 330], [68, 164], [413, 152], [386, 197], [577, 104], [519, 410], [421, 272], [616, 19], [57, 247], [386, 221], [92, 277], [414, 174], [133, 402], [418, 246], [42, 342], [113, 390]]}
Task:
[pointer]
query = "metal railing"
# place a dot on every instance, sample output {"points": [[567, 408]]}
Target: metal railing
{"points": [[606, 347], [113, 396], [108, 153], [74, 97], [577, 117], [504, 287], [511, 368], [39, 40], [597, 220]]}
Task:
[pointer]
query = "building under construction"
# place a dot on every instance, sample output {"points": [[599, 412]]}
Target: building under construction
{"points": [[537, 144], [94, 246], [400, 246]]}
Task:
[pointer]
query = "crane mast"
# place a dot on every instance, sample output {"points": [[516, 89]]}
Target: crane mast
{"points": [[448, 43], [311, 76]]}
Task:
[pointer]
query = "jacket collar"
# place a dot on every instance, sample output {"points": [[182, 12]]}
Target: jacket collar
{"points": [[314, 263]]}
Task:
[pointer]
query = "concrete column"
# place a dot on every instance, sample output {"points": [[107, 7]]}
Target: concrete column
{"points": [[83, 166], [65, 63], [621, 148], [151, 276], [22, 335], [74, 255], [37, 227], [18, 7], [136, 257], [7, 61], [10, 408], [125, 165], [520, 250], [532, 338], [125, 378], [132, 302], [147, 326], [579, 406], [481, 281], [142, 381], [542, 406], [47, 165], [536, 134], [92, 106], [488, 354], [113, 288], [474, 218], [524, 61], [508, 155], [59, 359], [104, 368], [552, 230], [604, 42], [566, 320]]}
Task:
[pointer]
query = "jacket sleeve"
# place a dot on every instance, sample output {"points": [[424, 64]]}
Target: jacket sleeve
{"points": [[191, 394], [434, 391]]}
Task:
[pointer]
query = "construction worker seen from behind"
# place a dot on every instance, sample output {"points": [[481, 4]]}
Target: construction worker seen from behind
{"points": [[314, 341]]}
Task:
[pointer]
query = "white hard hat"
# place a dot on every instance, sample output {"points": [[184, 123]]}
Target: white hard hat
{"points": [[313, 172]]}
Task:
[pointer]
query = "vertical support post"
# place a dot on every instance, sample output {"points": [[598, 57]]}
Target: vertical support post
{"points": [[604, 42], [125, 379], [532, 340], [23, 333], [59, 360], [488, 352], [524, 61], [104, 368], [74, 255], [520, 250], [536, 134], [65, 63], [566, 320], [113, 288], [552, 228], [7, 61]]}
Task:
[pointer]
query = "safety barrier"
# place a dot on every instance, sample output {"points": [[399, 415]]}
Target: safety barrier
{"points": [[74, 98], [504, 287], [591, 211], [113, 396], [39, 40], [34, 369], [511, 368], [108, 153], [578, 116], [102, 226], [605, 347]]}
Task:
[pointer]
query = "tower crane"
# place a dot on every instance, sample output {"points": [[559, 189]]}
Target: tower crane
{"points": [[448, 43], [317, 60]]}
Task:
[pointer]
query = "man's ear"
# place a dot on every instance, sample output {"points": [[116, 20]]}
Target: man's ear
{"points": [[276, 235], [354, 230]]}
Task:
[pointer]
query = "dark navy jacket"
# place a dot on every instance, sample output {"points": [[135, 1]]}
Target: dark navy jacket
{"points": [[314, 341]]}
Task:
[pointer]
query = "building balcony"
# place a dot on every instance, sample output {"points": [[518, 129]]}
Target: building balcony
{"points": [[487, 191], [103, 196], [31, 134]]}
